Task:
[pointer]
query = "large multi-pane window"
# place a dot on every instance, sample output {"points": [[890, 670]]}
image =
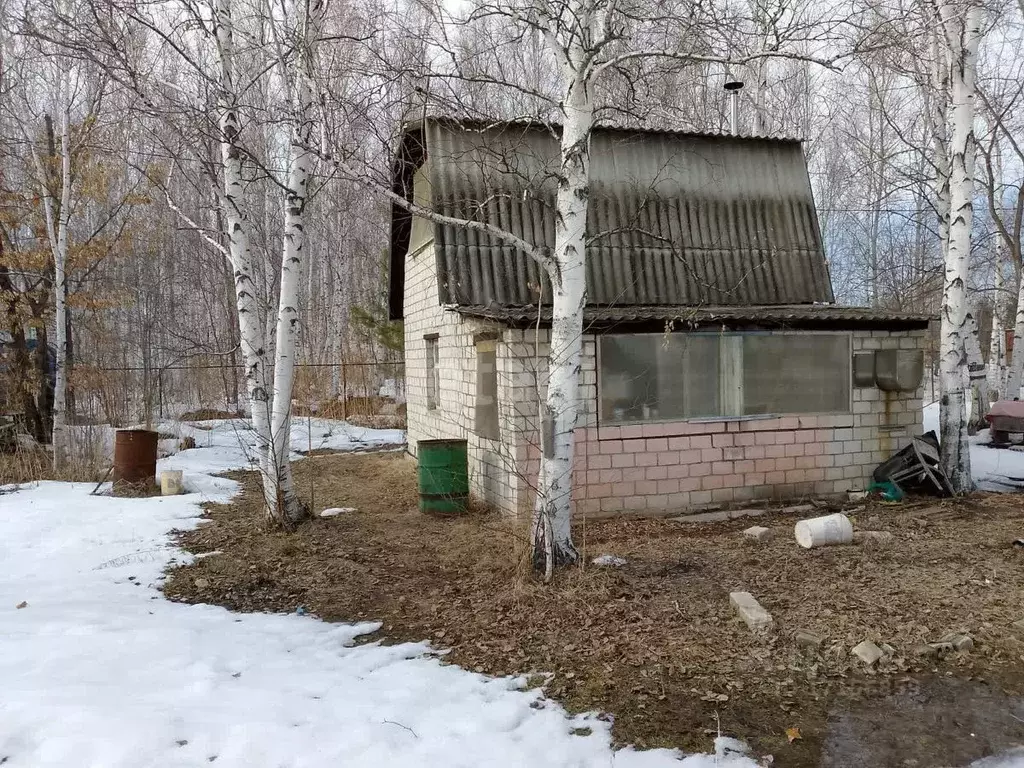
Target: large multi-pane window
{"points": [[676, 376]]}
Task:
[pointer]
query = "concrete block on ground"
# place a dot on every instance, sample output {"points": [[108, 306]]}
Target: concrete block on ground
{"points": [[758, 533], [872, 538], [964, 643], [753, 615], [925, 651], [868, 652], [807, 639], [960, 641]]}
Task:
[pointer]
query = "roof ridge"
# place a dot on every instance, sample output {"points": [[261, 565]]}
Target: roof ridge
{"points": [[483, 124]]}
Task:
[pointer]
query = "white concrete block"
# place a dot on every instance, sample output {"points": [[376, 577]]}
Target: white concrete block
{"points": [[868, 652], [758, 533], [753, 615]]}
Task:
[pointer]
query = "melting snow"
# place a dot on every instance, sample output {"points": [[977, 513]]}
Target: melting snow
{"points": [[993, 469], [100, 671]]}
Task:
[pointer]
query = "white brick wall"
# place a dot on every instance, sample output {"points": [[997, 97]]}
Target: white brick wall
{"points": [[490, 461], [655, 468], [658, 468]]}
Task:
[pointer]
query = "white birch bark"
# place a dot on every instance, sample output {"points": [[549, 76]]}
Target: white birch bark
{"points": [[57, 217], [975, 373], [552, 537], [251, 330], [1015, 370], [996, 373], [335, 326], [963, 36], [1004, 375], [759, 126], [60, 260], [282, 502], [936, 115]]}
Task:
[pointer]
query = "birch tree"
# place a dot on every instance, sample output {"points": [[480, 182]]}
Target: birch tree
{"points": [[1003, 263], [961, 37], [57, 215], [57, 162], [268, 332], [306, 18], [59, 243], [1006, 211], [254, 343]]}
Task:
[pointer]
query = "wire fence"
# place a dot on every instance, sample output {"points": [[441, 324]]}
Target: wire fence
{"points": [[369, 393]]}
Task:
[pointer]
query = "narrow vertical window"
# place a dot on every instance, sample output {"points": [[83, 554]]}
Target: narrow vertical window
{"points": [[486, 411], [433, 373]]}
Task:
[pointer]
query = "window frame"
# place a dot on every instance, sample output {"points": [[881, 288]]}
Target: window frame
{"points": [[847, 335], [486, 419], [432, 356]]}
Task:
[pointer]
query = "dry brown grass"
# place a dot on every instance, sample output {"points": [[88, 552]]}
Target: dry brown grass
{"points": [[396, 421], [29, 464], [656, 642], [210, 414], [23, 465], [363, 410]]}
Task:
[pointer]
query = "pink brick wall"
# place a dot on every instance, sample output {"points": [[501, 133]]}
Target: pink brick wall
{"points": [[674, 467]]}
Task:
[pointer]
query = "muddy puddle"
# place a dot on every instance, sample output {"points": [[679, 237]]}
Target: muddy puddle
{"points": [[932, 722]]}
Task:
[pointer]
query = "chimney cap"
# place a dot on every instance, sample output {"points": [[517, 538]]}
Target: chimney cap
{"points": [[733, 85]]}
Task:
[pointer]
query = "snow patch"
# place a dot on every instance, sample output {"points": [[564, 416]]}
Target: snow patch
{"points": [[993, 469], [727, 747], [613, 561], [99, 669], [335, 511], [1014, 758]]}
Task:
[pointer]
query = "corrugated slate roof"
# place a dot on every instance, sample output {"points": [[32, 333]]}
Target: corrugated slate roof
{"points": [[675, 218], [796, 316]]}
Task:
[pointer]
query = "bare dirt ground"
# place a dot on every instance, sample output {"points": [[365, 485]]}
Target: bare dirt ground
{"points": [[656, 643]]}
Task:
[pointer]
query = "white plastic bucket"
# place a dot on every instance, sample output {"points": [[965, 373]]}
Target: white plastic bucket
{"points": [[172, 482], [821, 531]]}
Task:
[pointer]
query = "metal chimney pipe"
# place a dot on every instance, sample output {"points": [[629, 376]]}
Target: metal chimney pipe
{"points": [[733, 88]]}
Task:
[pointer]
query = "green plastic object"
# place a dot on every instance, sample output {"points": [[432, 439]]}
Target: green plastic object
{"points": [[887, 490], [443, 476]]}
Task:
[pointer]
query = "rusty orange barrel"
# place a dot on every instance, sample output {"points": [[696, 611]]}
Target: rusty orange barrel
{"points": [[135, 456]]}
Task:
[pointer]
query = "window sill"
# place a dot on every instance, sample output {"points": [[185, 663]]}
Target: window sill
{"points": [[759, 423], [721, 419]]}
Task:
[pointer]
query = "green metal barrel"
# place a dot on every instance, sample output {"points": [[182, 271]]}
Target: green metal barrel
{"points": [[444, 476]]}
